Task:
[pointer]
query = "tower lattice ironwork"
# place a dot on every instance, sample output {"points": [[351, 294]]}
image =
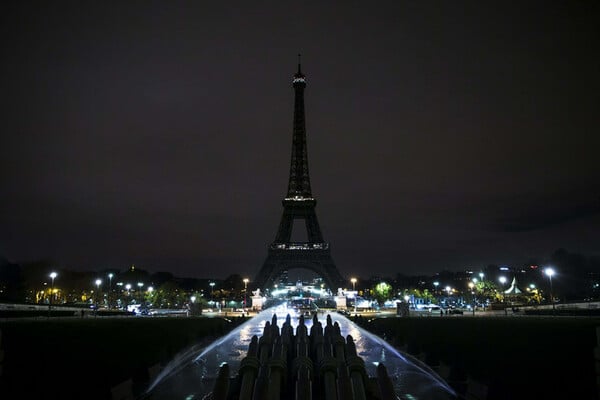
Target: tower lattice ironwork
{"points": [[299, 205]]}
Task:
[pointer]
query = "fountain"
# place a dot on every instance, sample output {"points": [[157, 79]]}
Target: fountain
{"points": [[235, 363]]}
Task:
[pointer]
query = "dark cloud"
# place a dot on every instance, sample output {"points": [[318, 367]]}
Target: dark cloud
{"points": [[543, 217]]}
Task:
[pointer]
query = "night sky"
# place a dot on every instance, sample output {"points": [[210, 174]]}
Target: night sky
{"points": [[441, 134]]}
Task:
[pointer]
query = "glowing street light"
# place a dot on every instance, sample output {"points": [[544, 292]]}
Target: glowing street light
{"points": [[128, 288], [550, 272], [246, 280], [502, 280], [472, 287], [52, 276], [353, 280], [140, 284], [110, 276], [212, 290], [98, 283]]}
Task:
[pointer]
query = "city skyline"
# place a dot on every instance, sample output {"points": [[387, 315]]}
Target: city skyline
{"points": [[440, 136]]}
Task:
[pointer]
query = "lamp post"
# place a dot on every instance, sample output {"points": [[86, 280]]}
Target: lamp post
{"points": [[481, 275], [448, 298], [52, 276], [128, 288], [98, 283], [140, 284], [502, 280], [212, 291], [193, 299], [246, 280], [353, 280], [550, 272], [150, 290], [474, 289], [110, 276]]}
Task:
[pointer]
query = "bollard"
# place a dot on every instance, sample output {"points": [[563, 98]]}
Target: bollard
{"points": [[274, 327], [358, 373], [222, 383], [277, 371], [328, 326], [249, 370], [328, 371], [301, 328], [344, 385], [261, 388], [339, 348], [385, 384], [303, 384], [265, 344]]}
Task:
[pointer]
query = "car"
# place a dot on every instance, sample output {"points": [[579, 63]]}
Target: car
{"points": [[455, 311]]}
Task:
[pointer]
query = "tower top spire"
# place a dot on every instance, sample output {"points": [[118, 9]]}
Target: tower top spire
{"points": [[299, 184], [299, 76]]}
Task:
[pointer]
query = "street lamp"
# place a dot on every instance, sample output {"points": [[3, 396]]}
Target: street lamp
{"points": [[353, 280], [212, 290], [98, 283], [110, 276], [482, 287], [550, 272], [140, 284], [472, 287], [246, 280], [52, 276], [502, 280]]}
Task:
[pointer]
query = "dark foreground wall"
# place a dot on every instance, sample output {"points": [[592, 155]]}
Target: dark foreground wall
{"points": [[516, 357], [73, 358]]}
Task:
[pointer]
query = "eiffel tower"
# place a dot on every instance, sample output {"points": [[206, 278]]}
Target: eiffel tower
{"points": [[299, 205]]}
